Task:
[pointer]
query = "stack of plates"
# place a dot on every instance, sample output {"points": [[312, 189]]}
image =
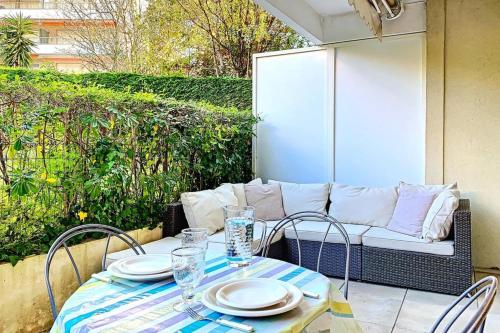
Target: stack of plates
{"points": [[147, 267], [256, 297]]}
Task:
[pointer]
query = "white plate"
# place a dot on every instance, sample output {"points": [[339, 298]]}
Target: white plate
{"points": [[293, 299], [251, 293], [146, 264], [115, 271]]}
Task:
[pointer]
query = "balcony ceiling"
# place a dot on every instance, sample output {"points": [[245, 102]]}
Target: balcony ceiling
{"points": [[328, 8], [330, 21]]}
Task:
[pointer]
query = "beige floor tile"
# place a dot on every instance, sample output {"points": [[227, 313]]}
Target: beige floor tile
{"points": [[374, 328], [421, 309], [375, 304], [492, 323], [495, 308], [337, 282]]}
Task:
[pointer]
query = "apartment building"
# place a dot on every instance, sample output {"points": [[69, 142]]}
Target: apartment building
{"points": [[54, 44]]}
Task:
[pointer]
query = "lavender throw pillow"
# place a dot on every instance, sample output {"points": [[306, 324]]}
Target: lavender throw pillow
{"points": [[410, 212]]}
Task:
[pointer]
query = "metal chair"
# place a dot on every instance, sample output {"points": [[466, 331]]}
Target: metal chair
{"points": [[486, 286], [83, 229], [298, 217]]}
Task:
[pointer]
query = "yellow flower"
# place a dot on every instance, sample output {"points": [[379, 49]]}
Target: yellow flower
{"points": [[51, 180], [43, 176], [39, 149], [82, 215], [155, 129]]}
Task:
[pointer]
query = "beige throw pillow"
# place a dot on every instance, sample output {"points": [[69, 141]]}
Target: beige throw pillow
{"points": [[203, 209], [372, 206], [303, 197], [266, 199], [437, 223], [239, 191]]}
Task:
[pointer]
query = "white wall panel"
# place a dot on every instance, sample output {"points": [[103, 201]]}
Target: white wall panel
{"points": [[294, 138], [380, 112]]}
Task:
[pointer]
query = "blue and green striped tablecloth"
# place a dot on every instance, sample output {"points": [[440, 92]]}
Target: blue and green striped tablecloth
{"points": [[147, 307]]}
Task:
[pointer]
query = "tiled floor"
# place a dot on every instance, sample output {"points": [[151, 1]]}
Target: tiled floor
{"points": [[383, 309]]}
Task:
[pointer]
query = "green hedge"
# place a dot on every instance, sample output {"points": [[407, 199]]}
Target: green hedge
{"points": [[225, 92], [71, 155]]}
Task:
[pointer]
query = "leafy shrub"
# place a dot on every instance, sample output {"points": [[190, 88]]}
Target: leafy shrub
{"points": [[71, 155], [225, 92]]}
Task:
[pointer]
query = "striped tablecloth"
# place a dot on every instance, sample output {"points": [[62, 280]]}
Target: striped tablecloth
{"points": [[147, 307]]}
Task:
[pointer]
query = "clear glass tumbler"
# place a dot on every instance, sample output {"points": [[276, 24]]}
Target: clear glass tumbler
{"points": [[239, 228], [195, 237], [189, 269]]}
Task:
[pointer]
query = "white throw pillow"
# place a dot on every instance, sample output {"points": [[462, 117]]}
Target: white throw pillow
{"points": [[303, 197], [372, 206], [437, 223], [239, 191], [203, 209]]}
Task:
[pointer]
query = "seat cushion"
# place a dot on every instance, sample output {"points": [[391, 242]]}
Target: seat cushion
{"points": [[315, 231], [383, 238]]}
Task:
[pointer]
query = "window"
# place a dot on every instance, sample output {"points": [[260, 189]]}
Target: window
{"points": [[44, 36]]}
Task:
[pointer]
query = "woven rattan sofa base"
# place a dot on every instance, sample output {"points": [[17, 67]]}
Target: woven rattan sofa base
{"points": [[431, 272], [332, 257], [443, 274]]}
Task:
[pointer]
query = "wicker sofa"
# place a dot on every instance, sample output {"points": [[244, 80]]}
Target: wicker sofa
{"points": [[448, 270]]}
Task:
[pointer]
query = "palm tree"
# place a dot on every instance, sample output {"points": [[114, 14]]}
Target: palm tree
{"points": [[15, 46]]}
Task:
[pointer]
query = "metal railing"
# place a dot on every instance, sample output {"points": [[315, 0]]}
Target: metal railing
{"points": [[51, 40], [35, 4], [30, 4]]}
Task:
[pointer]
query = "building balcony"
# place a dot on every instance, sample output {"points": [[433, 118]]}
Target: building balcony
{"points": [[53, 49], [40, 10]]}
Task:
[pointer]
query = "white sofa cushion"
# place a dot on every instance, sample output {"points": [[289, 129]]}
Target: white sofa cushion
{"points": [[315, 231], [239, 191], [383, 238], [303, 197], [437, 223], [203, 209], [164, 246], [372, 206]]}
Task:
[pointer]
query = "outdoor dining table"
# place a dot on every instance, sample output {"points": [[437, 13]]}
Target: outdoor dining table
{"points": [[147, 307]]}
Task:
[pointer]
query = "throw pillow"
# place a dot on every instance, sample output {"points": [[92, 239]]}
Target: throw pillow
{"points": [[203, 209], [437, 223], [266, 199], [371, 206], [410, 212], [239, 191], [303, 197]]}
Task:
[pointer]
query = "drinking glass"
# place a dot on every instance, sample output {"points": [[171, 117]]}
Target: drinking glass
{"points": [[189, 269], [195, 237], [239, 227]]}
